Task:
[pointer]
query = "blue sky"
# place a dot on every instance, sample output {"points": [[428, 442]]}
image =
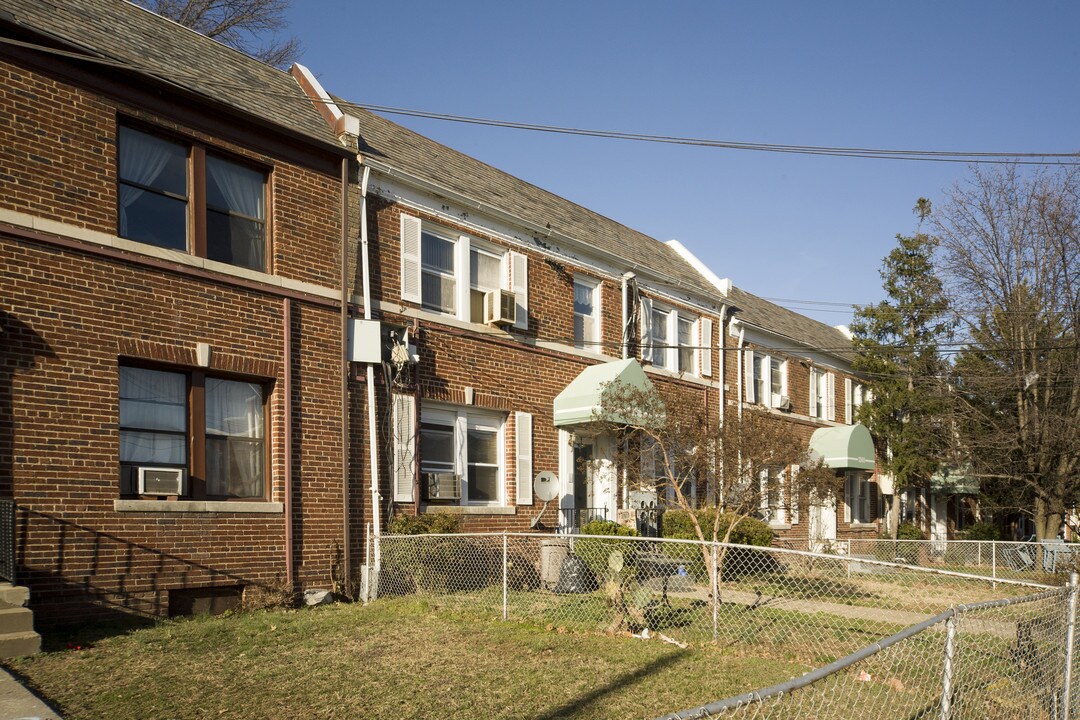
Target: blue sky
{"points": [[971, 76]]}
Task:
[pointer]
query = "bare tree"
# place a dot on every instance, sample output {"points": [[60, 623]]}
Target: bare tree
{"points": [[742, 467], [1011, 261], [238, 23]]}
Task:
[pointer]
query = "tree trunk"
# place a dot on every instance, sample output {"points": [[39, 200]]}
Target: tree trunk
{"points": [[894, 513], [1047, 523]]}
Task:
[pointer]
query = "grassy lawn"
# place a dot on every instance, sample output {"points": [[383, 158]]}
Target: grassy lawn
{"points": [[392, 659]]}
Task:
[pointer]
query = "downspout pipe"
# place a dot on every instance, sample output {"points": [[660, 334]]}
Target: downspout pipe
{"points": [[286, 364], [723, 354], [346, 510], [739, 394], [374, 563]]}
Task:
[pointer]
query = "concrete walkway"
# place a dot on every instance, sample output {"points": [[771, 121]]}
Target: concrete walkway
{"points": [[18, 703]]}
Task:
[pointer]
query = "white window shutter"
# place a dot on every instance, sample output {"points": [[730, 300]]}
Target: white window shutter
{"points": [[410, 258], [815, 381], [796, 496], [646, 330], [519, 284], [462, 274], [849, 496], [404, 422], [748, 376], [705, 352], [523, 424], [830, 396], [848, 404]]}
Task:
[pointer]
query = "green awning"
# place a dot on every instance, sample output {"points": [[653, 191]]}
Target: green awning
{"points": [[844, 447], [579, 402], [954, 481]]}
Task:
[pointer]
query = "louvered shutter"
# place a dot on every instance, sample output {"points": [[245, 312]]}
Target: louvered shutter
{"points": [[410, 258], [796, 495], [519, 284], [815, 382], [849, 496], [705, 352], [830, 396], [848, 404], [523, 431], [748, 376], [646, 330], [404, 422]]}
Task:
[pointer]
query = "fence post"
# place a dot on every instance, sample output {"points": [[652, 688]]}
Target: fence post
{"points": [[504, 575], [1070, 636], [715, 589], [947, 671], [993, 562]]}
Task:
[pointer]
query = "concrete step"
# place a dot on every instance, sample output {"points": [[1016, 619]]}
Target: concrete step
{"points": [[19, 643], [13, 595], [16, 620]]}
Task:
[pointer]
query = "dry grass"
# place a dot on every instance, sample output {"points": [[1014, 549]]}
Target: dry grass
{"points": [[393, 659]]}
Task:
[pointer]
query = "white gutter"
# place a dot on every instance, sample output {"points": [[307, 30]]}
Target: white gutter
{"points": [[373, 442], [721, 284]]}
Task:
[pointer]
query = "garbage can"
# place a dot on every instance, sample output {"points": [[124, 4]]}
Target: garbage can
{"points": [[552, 554]]}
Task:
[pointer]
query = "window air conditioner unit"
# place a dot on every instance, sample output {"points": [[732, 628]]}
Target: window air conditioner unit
{"points": [[443, 486], [782, 402], [161, 481], [500, 307]]}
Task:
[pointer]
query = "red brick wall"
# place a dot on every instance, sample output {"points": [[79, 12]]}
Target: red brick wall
{"points": [[70, 315]]}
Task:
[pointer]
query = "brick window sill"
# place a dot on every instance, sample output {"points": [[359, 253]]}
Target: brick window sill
{"points": [[468, 510], [197, 506]]}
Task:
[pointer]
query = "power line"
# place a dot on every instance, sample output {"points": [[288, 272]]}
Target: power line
{"points": [[951, 156]]}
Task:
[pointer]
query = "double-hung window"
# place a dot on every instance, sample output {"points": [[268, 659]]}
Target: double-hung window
{"points": [[211, 429], [766, 379], [857, 497], [586, 313], [822, 394], [855, 394], [180, 196], [772, 496], [451, 273], [671, 339], [468, 445]]}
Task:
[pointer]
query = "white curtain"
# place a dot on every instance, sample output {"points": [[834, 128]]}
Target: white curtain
{"points": [[142, 158], [234, 438], [243, 192], [153, 408]]}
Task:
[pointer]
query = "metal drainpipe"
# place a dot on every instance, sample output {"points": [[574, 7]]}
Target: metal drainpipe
{"points": [[346, 554], [723, 353], [286, 312], [373, 440], [625, 338], [739, 387]]}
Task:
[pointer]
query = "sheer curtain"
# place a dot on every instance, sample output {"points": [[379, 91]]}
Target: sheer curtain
{"points": [[142, 159], [243, 191], [234, 438], [153, 417]]}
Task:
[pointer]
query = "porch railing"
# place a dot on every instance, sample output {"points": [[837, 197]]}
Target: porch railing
{"points": [[572, 519], [7, 539]]}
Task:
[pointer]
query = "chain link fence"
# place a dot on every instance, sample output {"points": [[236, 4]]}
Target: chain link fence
{"points": [[815, 608], [1039, 561], [1010, 658]]}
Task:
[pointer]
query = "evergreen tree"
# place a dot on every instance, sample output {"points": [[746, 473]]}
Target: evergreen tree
{"points": [[896, 344]]}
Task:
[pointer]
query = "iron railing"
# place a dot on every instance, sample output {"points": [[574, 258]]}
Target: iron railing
{"points": [[7, 539]]}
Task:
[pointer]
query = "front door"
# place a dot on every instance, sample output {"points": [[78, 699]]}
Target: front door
{"points": [[589, 476], [939, 522], [822, 523]]}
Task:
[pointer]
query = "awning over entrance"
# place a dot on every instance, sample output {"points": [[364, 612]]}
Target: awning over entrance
{"points": [[579, 402], [845, 447], [953, 481]]}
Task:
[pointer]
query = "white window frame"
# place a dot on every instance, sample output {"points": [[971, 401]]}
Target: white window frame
{"points": [[513, 269], [772, 514], [857, 498], [854, 396], [588, 343], [822, 394], [770, 396], [462, 420], [665, 354]]}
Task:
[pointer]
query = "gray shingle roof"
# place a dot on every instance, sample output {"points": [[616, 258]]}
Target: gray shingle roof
{"points": [[417, 155], [124, 32], [761, 313]]}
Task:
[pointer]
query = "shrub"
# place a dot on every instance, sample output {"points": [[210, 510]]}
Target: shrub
{"points": [[982, 531], [595, 553], [909, 531], [430, 524], [748, 531]]}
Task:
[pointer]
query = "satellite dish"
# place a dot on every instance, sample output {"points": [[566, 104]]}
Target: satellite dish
{"points": [[546, 486], [546, 489]]}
